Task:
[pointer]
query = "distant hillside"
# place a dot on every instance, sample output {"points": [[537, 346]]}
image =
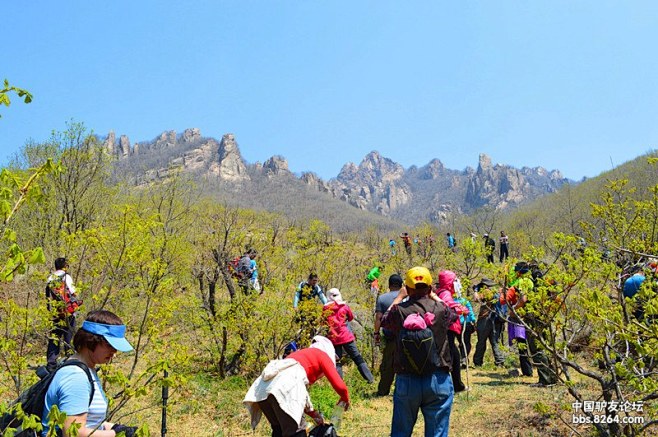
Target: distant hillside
{"points": [[377, 184], [563, 210]]}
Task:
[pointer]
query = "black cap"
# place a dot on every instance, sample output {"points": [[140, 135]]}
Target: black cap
{"points": [[395, 280], [484, 282]]}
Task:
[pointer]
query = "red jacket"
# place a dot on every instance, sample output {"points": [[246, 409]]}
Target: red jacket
{"points": [[316, 363], [446, 290], [337, 317]]}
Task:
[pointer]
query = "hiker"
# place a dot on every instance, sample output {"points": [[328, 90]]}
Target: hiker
{"points": [[281, 394], [430, 390], [391, 244], [451, 241], [309, 289], [60, 294], [101, 335], [406, 239], [489, 248], [467, 322], [503, 242], [515, 298], [546, 369], [253, 266], [337, 314], [372, 279], [386, 373], [445, 291], [490, 322]]}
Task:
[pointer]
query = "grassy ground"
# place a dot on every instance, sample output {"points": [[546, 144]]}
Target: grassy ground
{"points": [[496, 405]]}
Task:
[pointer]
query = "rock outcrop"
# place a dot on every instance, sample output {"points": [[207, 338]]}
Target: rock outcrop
{"points": [[428, 193]]}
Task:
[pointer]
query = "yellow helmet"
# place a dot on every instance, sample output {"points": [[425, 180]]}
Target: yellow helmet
{"points": [[417, 275]]}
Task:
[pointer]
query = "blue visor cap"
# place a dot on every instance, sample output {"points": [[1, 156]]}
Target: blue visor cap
{"points": [[114, 334]]}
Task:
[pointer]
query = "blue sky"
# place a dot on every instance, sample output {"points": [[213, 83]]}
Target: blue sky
{"points": [[568, 85]]}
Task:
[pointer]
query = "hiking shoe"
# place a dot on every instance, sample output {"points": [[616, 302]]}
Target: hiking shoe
{"points": [[514, 372]]}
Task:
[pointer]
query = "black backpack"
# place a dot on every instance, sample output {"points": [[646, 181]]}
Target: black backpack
{"points": [[243, 269], [324, 430], [33, 399], [418, 353]]}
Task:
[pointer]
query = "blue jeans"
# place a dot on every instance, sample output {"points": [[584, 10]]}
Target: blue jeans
{"points": [[432, 394]]}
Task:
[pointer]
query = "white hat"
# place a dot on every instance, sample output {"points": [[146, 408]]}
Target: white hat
{"points": [[334, 295], [325, 345]]}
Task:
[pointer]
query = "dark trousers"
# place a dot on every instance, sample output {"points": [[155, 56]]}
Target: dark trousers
{"points": [[488, 329], [456, 372], [386, 373], [524, 356], [62, 332], [504, 252], [490, 257], [282, 424], [354, 353], [464, 341], [546, 372]]}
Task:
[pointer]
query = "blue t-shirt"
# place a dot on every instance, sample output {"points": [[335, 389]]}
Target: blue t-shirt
{"points": [[383, 302], [254, 269], [633, 284], [70, 391]]}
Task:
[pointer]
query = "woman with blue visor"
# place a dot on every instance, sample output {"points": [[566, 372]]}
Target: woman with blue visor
{"points": [[76, 389]]}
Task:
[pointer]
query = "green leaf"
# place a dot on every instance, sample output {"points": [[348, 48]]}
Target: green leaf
{"points": [[36, 256]]}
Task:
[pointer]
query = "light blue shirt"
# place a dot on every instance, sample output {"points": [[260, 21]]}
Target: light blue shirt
{"points": [[70, 391]]}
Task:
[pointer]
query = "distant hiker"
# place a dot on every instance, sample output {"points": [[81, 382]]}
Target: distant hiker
{"points": [[309, 289], [253, 279], [243, 269], [503, 241], [101, 335], [429, 390], [490, 322], [372, 279], [445, 291], [280, 392], [337, 314], [451, 241], [61, 295], [473, 237], [386, 373], [406, 239], [391, 244], [489, 248], [515, 298]]}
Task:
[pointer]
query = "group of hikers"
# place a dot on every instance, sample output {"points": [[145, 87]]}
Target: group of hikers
{"points": [[451, 242], [422, 326]]}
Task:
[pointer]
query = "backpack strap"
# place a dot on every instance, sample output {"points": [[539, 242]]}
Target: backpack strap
{"points": [[84, 367]]}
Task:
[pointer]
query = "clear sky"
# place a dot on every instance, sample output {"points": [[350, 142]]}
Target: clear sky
{"points": [[563, 84]]}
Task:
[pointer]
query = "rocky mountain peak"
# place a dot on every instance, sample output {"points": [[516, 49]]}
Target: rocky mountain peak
{"points": [[484, 163], [276, 165], [377, 184], [231, 167]]}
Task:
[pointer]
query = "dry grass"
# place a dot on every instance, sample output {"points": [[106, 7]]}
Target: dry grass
{"points": [[496, 405]]}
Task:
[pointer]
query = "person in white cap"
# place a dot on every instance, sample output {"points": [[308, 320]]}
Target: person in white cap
{"points": [[281, 394], [76, 389], [338, 313]]}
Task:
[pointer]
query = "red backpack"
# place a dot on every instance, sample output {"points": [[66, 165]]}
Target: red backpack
{"points": [[57, 290]]}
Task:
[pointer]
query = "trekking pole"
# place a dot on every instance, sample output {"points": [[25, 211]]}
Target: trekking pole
{"points": [[165, 397], [468, 383]]}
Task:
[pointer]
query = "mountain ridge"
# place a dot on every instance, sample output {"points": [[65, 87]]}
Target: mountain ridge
{"points": [[377, 184]]}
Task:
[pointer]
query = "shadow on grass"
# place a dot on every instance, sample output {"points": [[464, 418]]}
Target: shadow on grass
{"points": [[497, 379]]}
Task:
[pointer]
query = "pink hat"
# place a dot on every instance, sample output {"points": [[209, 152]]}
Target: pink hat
{"points": [[416, 322]]}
